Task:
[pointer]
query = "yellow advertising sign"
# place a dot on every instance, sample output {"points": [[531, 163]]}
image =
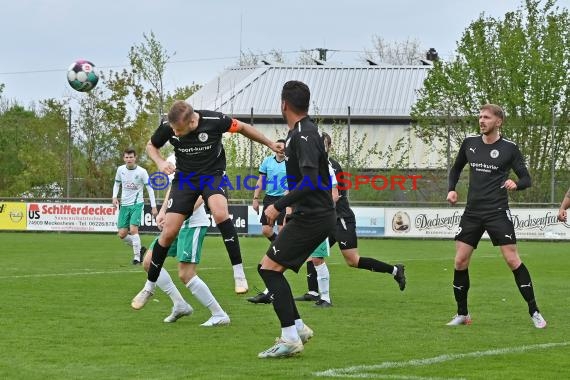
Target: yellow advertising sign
{"points": [[13, 216]]}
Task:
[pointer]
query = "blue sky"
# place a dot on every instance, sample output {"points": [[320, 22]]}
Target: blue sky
{"points": [[40, 38]]}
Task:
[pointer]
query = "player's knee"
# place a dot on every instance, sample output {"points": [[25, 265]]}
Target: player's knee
{"points": [[219, 208], [166, 237], [513, 262], [351, 262], [185, 275], [351, 259], [220, 217], [461, 263], [122, 234], [146, 261], [318, 261]]}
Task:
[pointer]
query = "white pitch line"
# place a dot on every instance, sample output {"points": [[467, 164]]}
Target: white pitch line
{"points": [[88, 273], [361, 370], [39, 275]]}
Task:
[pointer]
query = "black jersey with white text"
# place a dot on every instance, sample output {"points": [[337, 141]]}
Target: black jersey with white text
{"points": [[489, 168], [200, 151], [343, 209], [304, 149]]}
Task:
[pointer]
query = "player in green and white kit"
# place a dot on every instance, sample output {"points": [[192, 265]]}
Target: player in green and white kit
{"points": [[187, 248], [131, 178]]}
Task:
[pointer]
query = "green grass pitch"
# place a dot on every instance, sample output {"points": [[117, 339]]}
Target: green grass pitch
{"points": [[65, 314]]}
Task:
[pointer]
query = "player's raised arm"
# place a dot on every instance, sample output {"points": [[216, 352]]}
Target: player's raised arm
{"points": [[253, 134]]}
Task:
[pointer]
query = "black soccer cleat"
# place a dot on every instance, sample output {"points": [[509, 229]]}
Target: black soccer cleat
{"points": [[323, 303], [142, 253], [308, 297], [136, 262], [261, 298], [400, 276]]}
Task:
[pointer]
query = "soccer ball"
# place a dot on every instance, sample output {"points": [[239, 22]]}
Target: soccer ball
{"points": [[81, 75]]}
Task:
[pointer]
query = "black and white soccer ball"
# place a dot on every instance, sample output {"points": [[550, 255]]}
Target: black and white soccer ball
{"points": [[82, 76]]}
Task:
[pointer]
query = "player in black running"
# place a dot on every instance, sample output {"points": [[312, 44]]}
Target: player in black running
{"points": [[490, 158], [200, 170], [312, 220], [345, 235]]}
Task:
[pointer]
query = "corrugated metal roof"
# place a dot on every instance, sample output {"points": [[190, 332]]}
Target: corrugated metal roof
{"points": [[370, 91]]}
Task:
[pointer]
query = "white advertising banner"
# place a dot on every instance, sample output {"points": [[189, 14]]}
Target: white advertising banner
{"points": [[443, 222], [82, 217], [369, 221]]}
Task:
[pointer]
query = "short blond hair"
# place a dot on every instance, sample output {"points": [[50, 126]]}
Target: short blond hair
{"points": [[495, 110], [180, 111]]}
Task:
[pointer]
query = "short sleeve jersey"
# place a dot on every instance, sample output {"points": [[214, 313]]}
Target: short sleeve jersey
{"points": [[201, 151], [304, 148], [275, 173], [132, 183], [489, 167], [199, 217]]}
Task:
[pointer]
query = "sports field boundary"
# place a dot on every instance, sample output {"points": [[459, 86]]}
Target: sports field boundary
{"points": [[363, 371]]}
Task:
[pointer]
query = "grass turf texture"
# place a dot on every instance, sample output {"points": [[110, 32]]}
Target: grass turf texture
{"points": [[65, 314]]}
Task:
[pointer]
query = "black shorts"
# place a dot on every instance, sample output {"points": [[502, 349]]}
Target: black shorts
{"points": [[344, 234], [183, 194], [498, 224], [268, 200], [300, 237]]}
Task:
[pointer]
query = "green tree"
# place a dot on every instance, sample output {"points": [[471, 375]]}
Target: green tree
{"points": [[520, 62], [148, 62], [122, 113], [32, 149]]}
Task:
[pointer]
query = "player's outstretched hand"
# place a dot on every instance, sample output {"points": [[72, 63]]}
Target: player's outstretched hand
{"points": [[278, 147]]}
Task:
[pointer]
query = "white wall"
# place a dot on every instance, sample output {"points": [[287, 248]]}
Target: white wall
{"points": [[420, 155]]}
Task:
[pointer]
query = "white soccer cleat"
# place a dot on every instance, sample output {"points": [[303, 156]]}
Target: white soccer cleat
{"points": [[241, 285], [282, 349], [178, 313], [538, 321], [141, 299], [217, 320], [305, 334], [460, 320]]}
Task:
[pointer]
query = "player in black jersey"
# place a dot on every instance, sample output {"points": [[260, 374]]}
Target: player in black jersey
{"points": [[312, 220], [490, 158], [345, 236], [200, 170]]}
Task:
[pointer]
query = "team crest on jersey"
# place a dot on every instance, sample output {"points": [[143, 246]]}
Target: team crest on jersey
{"points": [[203, 137], [494, 153]]}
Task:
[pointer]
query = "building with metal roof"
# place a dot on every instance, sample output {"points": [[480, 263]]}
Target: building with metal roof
{"points": [[372, 100]]}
